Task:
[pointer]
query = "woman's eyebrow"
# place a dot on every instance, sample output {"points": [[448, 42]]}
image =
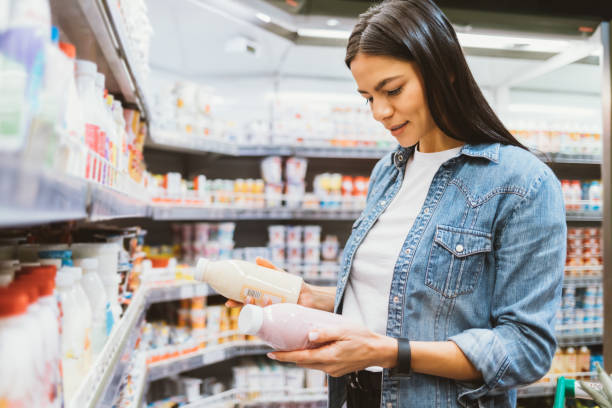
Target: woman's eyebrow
{"points": [[381, 84]]}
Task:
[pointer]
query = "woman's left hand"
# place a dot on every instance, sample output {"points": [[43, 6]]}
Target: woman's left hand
{"points": [[343, 350]]}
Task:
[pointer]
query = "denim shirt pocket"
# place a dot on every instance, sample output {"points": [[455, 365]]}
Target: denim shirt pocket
{"points": [[456, 260]]}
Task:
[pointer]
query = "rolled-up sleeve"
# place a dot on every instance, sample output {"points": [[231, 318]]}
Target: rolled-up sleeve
{"points": [[529, 260]]}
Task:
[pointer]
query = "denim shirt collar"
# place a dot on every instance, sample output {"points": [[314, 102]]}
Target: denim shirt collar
{"points": [[489, 151]]}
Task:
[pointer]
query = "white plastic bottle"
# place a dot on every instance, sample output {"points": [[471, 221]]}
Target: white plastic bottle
{"points": [[85, 80], [17, 385], [72, 348], [285, 326], [85, 316], [92, 284], [236, 280], [35, 332], [595, 196], [104, 125]]}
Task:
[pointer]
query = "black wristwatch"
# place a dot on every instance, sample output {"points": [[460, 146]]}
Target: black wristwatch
{"points": [[404, 357]]}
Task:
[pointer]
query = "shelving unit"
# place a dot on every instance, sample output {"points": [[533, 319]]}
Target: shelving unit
{"points": [[98, 32], [208, 356]]}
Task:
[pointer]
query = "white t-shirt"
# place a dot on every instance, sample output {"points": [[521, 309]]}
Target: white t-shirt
{"points": [[367, 292]]}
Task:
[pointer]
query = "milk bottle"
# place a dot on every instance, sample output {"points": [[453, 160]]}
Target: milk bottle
{"points": [[238, 279], [94, 289], [285, 326]]}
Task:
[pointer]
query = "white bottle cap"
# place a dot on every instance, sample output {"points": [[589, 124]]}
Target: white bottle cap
{"points": [[73, 271], [63, 280], [85, 67], [87, 263], [200, 270], [250, 319]]}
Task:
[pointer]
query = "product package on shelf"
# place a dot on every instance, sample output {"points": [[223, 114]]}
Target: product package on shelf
{"points": [[573, 362], [584, 254], [582, 197], [61, 117], [213, 241]]}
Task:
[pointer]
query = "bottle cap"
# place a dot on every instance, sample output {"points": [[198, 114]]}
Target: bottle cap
{"points": [[68, 49], [87, 263], [28, 288], [74, 271], [6, 279], [200, 272], [55, 35], [84, 67], [63, 280], [250, 319], [13, 302]]}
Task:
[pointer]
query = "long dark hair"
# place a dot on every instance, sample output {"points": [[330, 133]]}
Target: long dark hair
{"points": [[418, 31]]}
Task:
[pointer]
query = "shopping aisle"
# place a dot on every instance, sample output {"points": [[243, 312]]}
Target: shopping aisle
{"points": [[137, 137]]}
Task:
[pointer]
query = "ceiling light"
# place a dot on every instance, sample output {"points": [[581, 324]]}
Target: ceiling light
{"points": [[323, 33], [503, 42], [332, 22], [263, 17]]}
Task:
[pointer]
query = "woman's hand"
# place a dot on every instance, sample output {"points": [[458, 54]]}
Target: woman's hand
{"points": [[343, 350], [306, 297]]}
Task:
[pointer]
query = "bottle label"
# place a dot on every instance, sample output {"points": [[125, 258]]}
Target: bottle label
{"points": [[261, 297]]}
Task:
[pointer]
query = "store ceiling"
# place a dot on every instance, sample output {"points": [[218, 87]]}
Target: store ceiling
{"points": [[194, 39]]}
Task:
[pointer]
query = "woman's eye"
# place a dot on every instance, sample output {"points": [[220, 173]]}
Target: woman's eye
{"points": [[394, 91], [369, 100]]}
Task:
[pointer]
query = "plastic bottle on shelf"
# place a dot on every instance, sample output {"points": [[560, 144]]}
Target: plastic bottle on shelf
{"points": [[17, 378], [100, 307], [35, 332], [46, 312], [85, 81], [576, 196], [583, 360], [236, 280], [101, 143], [22, 65], [84, 316], [285, 326], [73, 119], [595, 196], [71, 344]]}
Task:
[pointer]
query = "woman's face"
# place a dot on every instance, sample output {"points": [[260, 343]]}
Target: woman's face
{"points": [[394, 90]]}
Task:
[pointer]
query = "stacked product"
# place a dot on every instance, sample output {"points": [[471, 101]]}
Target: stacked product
{"points": [[61, 118], [582, 197], [298, 249], [208, 240], [193, 326], [272, 173], [581, 311], [323, 124], [338, 191], [568, 139], [573, 363], [584, 255], [202, 192], [252, 380], [295, 174], [139, 30]]}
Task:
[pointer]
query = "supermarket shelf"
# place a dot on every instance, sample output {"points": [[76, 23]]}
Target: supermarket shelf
{"points": [[97, 31], [164, 140], [106, 203], [584, 217], [165, 212], [100, 386], [570, 159], [29, 196], [306, 395], [177, 291], [209, 355], [592, 339], [582, 281]]}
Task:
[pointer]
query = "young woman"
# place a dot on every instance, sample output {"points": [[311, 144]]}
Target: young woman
{"points": [[454, 268]]}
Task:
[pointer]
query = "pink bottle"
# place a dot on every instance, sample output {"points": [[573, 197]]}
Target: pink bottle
{"points": [[285, 326]]}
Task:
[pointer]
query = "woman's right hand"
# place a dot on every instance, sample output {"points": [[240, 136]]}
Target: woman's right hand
{"points": [[305, 299]]}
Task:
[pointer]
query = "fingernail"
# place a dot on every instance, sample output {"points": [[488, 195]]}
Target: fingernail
{"points": [[270, 355], [312, 336]]}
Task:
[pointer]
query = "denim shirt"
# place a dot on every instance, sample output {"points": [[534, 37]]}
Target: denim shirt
{"points": [[482, 266]]}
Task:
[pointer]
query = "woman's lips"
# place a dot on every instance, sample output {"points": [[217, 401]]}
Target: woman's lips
{"points": [[397, 130]]}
